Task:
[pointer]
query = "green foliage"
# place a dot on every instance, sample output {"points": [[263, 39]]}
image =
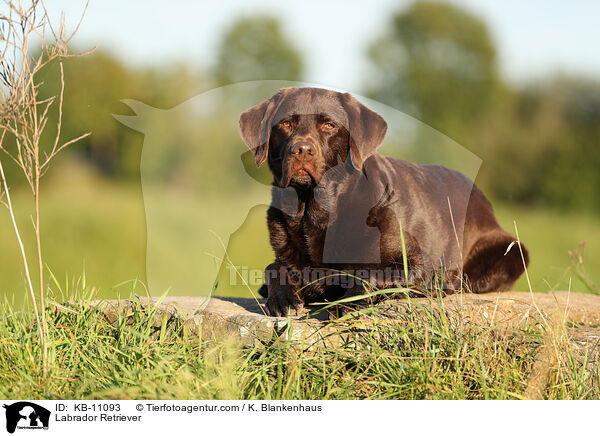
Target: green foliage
{"points": [[548, 149], [438, 63], [435, 61], [539, 142], [255, 48], [94, 87], [90, 225]]}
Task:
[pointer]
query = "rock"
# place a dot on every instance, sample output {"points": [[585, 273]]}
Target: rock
{"points": [[217, 317], [563, 318], [245, 318]]}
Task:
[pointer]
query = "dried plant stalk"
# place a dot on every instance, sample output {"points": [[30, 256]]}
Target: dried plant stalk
{"points": [[24, 116]]}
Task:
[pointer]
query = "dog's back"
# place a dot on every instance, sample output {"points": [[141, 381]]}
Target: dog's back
{"points": [[451, 220]]}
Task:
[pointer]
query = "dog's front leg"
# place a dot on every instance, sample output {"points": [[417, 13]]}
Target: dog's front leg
{"points": [[282, 285]]}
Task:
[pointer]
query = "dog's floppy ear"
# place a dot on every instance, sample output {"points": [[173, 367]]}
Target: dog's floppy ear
{"points": [[366, 127], [255, 127]]}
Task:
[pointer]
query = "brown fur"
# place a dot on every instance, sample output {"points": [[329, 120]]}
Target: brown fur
{"points": [[340, 206]]}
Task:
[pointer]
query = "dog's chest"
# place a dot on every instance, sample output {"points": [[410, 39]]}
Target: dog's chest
{"points": [[334, 232], [307, 232]]}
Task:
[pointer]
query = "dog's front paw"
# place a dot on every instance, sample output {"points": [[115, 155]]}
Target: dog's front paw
{"points": [[283, 300]]}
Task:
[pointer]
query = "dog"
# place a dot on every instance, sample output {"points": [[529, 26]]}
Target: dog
{"points": [[339, 208]]}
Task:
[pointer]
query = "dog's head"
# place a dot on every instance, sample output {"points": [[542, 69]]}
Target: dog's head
{"points": [[304, 132]]}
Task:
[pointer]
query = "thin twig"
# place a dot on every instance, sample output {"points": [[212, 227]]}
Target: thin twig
{"points": [[24, 115]]}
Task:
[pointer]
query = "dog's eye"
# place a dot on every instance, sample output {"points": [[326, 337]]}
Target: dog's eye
{"points": [[287, 124], [328, 126]]}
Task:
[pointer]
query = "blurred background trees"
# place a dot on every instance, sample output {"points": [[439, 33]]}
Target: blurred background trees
{"points": [[434, 61], [437, 63], [255, 48]]}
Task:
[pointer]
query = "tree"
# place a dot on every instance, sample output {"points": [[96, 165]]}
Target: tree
{"points": [[438, 63], [254, 49], [97, 84], [546, 149]]}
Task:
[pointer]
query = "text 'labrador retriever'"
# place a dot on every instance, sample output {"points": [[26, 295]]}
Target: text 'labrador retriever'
{"points": [[343, 216]]}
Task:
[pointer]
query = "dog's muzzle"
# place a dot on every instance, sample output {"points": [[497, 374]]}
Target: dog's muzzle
{"points": [[303, 151]]}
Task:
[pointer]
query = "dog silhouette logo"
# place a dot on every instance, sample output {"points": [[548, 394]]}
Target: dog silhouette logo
{"points": [[26, 415], [205, 195]]}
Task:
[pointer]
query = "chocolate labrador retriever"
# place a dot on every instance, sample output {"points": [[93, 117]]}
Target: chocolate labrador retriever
{"points": [[340, 210]]}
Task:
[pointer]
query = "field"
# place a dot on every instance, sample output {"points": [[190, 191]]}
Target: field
{"points": [[97, 229], [95, 241]]}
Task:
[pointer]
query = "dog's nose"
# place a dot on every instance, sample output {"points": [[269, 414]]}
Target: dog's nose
{"points": [[303, 150]]}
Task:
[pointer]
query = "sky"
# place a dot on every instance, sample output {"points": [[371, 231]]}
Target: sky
{"points": [[535, 38]]}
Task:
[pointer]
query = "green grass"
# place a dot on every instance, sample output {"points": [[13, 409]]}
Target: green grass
{"points": [[422, 354], [87, 225], [550, 235]]}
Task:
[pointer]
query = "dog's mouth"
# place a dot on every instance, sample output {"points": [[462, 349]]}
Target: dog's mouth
{"points": [[301, 176]]}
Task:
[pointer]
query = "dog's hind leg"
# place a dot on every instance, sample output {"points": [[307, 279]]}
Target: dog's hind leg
{"points": [[494, 263]]}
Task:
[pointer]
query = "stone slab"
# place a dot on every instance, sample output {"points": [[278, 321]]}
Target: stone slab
{"points": [[245, 318], [562, 317]]}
